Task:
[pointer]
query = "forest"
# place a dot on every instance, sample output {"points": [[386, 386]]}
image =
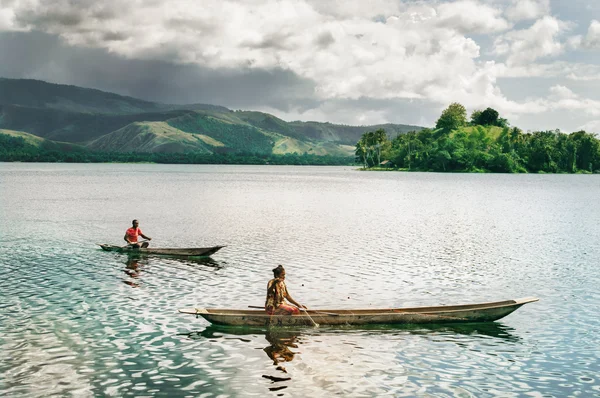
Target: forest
{"points": [[484, 143], [16, 149]]}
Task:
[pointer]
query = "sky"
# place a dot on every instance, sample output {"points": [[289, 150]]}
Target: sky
{"points": [[356, 62]]}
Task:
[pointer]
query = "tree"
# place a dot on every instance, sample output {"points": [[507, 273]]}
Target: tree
{"points": [[475, 117], [379, 138], [452, 118], [489, 117], [361, 151]]}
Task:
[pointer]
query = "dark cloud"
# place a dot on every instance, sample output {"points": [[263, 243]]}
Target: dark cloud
{"points": [[325, 39], [114, 36], [45, 57], [278, 41], [57, 17]]}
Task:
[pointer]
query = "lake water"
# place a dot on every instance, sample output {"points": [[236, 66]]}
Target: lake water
{"points": [[75, 320]]}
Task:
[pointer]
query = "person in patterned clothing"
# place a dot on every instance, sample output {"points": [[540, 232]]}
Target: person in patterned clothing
{"points": [[277, 294]]}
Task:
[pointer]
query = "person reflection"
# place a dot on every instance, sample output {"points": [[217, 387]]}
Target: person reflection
{"points": [[279, 349], [132, 269]]}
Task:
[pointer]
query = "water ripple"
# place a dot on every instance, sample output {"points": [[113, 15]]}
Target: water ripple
{"points": [[77, 321]]}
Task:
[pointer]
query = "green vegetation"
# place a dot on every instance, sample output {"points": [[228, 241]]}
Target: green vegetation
{"points": [[237, 138], [452, 118], [17, 149], [455, 146], [111, 123]]}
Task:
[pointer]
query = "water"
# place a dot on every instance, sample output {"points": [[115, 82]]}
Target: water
{"points": [[75, 320]]}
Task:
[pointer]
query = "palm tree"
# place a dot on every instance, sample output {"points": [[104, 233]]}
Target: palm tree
{"points": [[361, 151]]}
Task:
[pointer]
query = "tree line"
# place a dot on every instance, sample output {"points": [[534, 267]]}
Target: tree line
{"points": [[485, 143], [16, 149]]}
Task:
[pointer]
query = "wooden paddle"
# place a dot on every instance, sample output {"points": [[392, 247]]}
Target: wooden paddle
{"points": [[141, 241], [315, 324]]}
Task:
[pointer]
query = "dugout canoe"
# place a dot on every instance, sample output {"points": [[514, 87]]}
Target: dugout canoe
{"points": [[484, 312], [184, 252]]}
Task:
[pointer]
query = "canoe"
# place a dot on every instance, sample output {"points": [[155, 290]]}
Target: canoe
{"points": [[484, 312], [187, 252]]}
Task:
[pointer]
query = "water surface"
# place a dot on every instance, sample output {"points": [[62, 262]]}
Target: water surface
{"points": [[75, 320]]}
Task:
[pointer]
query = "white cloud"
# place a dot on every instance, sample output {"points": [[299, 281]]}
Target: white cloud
{"points": [[527, 9], [382, 50], [562, 92], [557, 69], [527, 45], [418, 51], [592, 39], [7, 20], [562, 98], [470, 16], [593, 126]]}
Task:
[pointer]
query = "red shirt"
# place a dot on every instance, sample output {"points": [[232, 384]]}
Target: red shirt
{"points": [[133, 233]]}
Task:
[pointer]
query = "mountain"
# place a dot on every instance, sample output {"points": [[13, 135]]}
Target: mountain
{"points": [[102, 121]]}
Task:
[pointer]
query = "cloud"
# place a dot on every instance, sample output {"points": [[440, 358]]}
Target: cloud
{"points": [[562, 92], [380, 50], [527, 45], [469, 16], [7, 19], [527, 9], [591, 41], [45, 57], [557, 69], [300, 56], [592, 126], [562, 98]]}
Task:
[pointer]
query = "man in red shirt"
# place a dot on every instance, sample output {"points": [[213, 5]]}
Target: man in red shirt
{"points": [[131, 236]]}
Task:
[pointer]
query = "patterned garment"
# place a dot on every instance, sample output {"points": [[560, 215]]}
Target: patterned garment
{"points": [[276, 293]]}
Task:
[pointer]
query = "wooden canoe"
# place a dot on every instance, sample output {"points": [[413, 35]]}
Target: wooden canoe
{"points": [[485, 312], [186, 252]]}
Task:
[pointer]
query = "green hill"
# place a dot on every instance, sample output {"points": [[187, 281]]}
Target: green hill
{"points": [[109, 122], [154, 137], [68, 126]]}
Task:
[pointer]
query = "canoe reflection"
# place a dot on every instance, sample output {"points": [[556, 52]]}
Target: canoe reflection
{"points": [[134, 264], [283, 335], [283, 343], [489, 329]]}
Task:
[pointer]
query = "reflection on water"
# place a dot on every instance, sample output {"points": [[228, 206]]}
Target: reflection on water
{"points": [[69, 326], [280, 343], [132, 270], [135, 263], [286, 346], [279, 350], [489, 329], [205, 261]]}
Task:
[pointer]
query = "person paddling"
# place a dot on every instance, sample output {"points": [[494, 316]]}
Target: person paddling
{"points": [[131, 236], [277, 294]]}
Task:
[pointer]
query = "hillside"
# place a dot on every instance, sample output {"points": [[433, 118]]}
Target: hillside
{"points": [[39, 94], [113, 123], [33, 142], [153, 137]]}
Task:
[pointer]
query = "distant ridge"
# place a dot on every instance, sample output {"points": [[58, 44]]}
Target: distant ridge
{"points": [[104, 121]]}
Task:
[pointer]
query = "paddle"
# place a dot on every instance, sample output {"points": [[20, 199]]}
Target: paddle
{"points": [[129, 244], [315, 324]]}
